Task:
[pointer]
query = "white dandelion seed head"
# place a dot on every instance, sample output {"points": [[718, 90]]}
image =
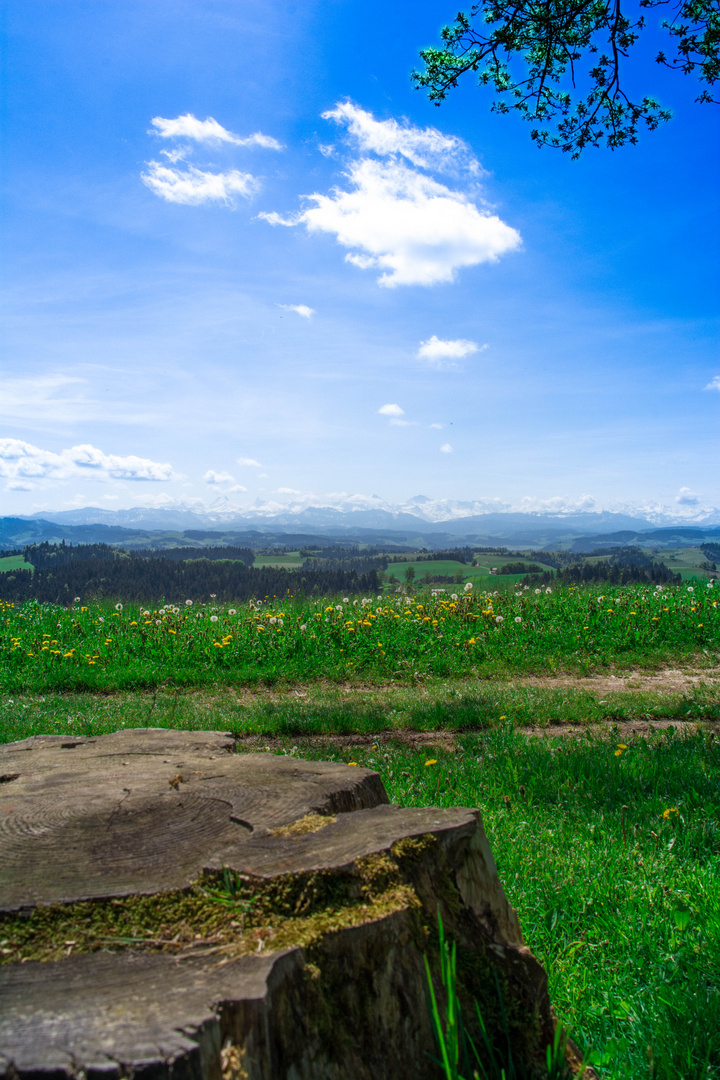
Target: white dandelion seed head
{"points": [[499, 619], [118, 607], [188, 603], [232, 611], [518, 619], [213, 618]]}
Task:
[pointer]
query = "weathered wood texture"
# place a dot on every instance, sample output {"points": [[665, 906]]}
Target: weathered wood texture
{"points": [[149, 811], [145, 810]]}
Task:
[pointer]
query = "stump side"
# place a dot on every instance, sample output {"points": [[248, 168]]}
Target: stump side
{"points": [[295, 953]]}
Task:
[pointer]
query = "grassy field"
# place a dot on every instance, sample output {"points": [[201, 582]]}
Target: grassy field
{"points": [[476, 574], [607, 839], [687, 562], [292, 560], [468, 634], [13, 562]]}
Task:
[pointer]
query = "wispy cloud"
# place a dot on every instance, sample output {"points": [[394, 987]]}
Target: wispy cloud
{"points": [[208, 131], [21, 463], [300, 309], [191, 186], [412, 228], [446, 448], [426, 148], [714, 383], [249, 462], [444, 355]]}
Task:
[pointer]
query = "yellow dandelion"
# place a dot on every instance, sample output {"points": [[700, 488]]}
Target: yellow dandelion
{"points": [[353, 763], [431, 761]]}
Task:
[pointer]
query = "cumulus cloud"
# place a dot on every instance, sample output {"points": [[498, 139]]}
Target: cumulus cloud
{"points": [[223, 480], [192, 186], [686, 497], [396, 219], [208, 131], [422, 147], [446, 448], [249, 462], [391, 410], [412, 228], [714, 383], [23, 463], [300, 309], [444, 355]]}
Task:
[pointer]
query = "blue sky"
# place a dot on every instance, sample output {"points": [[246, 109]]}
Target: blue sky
{"points": [[245, 260]]}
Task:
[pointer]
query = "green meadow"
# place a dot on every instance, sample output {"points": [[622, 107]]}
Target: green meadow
{"points": [[600, 793]]}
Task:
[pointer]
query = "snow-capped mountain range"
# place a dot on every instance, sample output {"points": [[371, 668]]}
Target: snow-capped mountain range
{"points": [[362, 511]]}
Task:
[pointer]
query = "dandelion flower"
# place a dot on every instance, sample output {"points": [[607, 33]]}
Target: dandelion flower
{"points": [[499, 619], [158, 622], [188, 603], [469, 586], [690, 588], [431, 761], [353, 763], [76, 600], [213, 618], [502, 717], [118, 607], [538, 591], [232, 611], [518, 619], [304, 627], [548, 591], [670, 810]]}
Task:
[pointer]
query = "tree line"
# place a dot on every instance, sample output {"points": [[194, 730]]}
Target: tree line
{"points": [[159, 579]]}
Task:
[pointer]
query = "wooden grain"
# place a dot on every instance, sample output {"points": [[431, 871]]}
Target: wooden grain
{"points": [[142, 811], [147, 811]]}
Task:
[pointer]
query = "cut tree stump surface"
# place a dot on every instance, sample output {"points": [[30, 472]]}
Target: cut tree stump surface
{"points": [[144, 811], [326, 981]]}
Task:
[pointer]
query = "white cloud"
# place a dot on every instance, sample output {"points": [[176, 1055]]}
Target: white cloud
{"points": [[391, 410], [249, 462], [714, 383], [687, 497], [23, 463], [300, 309], [288, 491], [192, 186], [446, 448], [208, 131], [224, 480], [437, 427], [557, 504], [423, 147], [413, 229], [443, 355]]}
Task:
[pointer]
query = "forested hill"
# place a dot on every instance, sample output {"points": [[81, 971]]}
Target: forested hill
{"points": [[161, 579]]}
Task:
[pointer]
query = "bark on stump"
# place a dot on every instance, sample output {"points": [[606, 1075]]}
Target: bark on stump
{"points": [[172, 909]]}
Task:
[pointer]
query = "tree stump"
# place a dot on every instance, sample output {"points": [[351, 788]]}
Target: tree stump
{"points": [[172, 909]]}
